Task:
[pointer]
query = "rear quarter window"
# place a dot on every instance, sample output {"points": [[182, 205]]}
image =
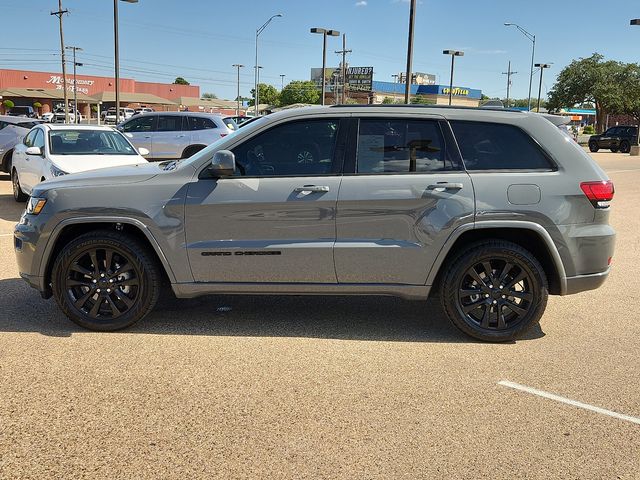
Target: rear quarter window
{"points": [[498, 146]]}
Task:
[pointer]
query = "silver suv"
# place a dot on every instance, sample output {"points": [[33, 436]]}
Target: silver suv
{"points": [[491, 209], [171, 135]]}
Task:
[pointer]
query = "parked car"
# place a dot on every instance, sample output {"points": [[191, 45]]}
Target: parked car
{"points": [[50, 151], [138, 111], [492, 209], [47, 117], [619, 138], [110, 116], [59, 116], [22, 111], [240, 119], [171, 135], [12, 131]]}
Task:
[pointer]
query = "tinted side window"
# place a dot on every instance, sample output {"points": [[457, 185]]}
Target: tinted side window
{"points": [[400, 146], [295, 148], [200, 123], [496, 146], [169, 123], [141, 124], [2, 125], [28, 140]]}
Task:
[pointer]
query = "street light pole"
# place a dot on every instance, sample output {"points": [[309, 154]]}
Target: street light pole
{"points": [[532, 39], [325, 33], [75, 82], [282, 75], [116, 47], [541, 66], [256, 95], [412, 14], [635, 150], [238, 66], [454, 54]]}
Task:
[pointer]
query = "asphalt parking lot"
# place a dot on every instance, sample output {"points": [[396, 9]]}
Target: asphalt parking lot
{"points": [[323, 387]]}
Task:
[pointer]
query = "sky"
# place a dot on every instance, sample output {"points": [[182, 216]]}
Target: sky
{"points": [[200, 40]]}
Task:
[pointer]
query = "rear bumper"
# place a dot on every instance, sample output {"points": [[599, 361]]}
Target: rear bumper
{"points": [[582, 283]]}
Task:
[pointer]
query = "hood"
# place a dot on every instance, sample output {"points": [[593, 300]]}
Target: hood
{"points": [[83, 163], [105, 176]]}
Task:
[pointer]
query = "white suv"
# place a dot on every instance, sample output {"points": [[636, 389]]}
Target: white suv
{"points": [[172, 135]]}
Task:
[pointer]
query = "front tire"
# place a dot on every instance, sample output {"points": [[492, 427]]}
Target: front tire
{"points": [[105, 280], [494, 291], [593, 146], [18, 194], [625, 146]]}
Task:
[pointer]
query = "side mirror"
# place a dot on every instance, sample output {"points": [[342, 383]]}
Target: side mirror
{"points": [[223, 164], [143, 151], [120, 127], [34, 151]]}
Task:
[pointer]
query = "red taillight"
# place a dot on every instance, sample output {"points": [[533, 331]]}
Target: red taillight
{"points": [[599, 193]]}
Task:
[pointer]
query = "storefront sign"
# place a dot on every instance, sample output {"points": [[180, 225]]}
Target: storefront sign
{"points": [[360, 78], [57, 81], [456, 91]]}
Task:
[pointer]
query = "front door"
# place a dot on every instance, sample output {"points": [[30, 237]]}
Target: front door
{"points": [[408, 193], [274, 221], [139, 130]]}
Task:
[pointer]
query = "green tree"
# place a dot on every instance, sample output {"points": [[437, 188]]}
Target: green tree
{"points": [[180, 81], [631, 91], [388, 100], [8, 104], [299, 92], [592, 80], [209, 95], [268, 95]]}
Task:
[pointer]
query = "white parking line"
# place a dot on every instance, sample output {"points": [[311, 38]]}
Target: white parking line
{"points": [[568, 401], [622, 171], [6, 234]]}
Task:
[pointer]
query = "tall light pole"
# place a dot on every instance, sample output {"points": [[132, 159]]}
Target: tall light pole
{"points": [[532, 38], [59, 14], [454, 54], [238, 66], [541, 66], [75, 83], [282, 75], [635, 149], [256, 95], [324, 33], [408, 77], [116, 55]]}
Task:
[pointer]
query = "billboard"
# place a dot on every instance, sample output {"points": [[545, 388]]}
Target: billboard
{"points": [[360, 79]]}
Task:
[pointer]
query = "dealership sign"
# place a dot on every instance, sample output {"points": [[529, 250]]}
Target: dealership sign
{"points": [[56, 80], [360, 78], [456, 91]]}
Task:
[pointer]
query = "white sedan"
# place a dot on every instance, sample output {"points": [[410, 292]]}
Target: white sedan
{"points": [[49, 151]]}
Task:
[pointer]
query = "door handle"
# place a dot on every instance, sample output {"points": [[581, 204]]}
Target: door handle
{"points": [[312, 189], [445, 186], [180, 136]]}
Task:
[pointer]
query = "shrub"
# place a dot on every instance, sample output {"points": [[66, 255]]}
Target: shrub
{"points": [[8, 104], [589, 130], [37, 105]]}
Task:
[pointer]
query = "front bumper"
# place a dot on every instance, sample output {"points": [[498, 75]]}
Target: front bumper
{"points": [[28, 243]]}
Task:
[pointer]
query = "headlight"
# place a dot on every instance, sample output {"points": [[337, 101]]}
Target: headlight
{"points": [[35, 205], [56, 172]]}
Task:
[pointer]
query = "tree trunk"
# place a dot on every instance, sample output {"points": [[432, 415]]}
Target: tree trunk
{"points": [[601, 118]]}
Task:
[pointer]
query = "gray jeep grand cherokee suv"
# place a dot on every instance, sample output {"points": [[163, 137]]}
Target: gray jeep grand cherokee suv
{"points": [[493, 209]]}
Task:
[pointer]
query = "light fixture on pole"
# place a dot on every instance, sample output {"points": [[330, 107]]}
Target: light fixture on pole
{"points": [[532, 38], [454, 54], [256, 95], [238, 66], [282, 75], [541, 66], [324, 33], [116, 47], [75, 82]]}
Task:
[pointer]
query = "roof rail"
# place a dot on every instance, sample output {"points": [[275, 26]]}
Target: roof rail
{"points": [[412, 105]]}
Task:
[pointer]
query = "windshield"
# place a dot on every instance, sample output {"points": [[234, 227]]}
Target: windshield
{"points": [[89, 142], [230, 123]]}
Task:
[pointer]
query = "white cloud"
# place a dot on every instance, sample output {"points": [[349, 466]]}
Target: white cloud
{"points": [[361, 3]]}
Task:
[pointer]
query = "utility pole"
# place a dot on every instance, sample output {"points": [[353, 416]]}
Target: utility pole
{"points": [[541, 66], [508, 73], [412, 14], [343, 70], [238, 66], [75, 83], [282, 75], [59, 14]]}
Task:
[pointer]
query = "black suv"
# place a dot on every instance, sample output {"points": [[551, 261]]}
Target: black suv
{"points": [[618, 138]]}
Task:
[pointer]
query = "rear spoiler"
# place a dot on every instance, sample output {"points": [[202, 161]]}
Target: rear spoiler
{"points": [[557, 120]]}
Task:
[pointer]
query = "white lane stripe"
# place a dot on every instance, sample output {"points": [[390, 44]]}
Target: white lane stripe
{"points": [[621, 171], [568, 401], [6, 234]]}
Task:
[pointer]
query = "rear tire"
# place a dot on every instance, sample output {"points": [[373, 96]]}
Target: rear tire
{"points": [[614, 150], [593, 146], [625, 146], [18, 194], [106, 280], [494, 291]]}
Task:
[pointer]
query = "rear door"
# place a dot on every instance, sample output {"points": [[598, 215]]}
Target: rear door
{"points": [[407, 191], [169, 138], [202, 130], [274, 221]]}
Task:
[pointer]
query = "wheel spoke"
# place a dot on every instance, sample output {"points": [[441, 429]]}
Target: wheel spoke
{"points": [[123, 298], [488, 271], [77, 268], [123, 269], [108, 259], [523, 295], [486, 317], [115, 311], [94, 261], [96, 307], [505, 271], [79, 303], [472, 272], [79, 283], [521, 276], [472, 306], [501, 322], [465, 292], [515, 308], [129, 282]]}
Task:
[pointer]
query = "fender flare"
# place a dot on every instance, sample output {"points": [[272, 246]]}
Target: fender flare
{"points": [[521, 225], [45, 261]]}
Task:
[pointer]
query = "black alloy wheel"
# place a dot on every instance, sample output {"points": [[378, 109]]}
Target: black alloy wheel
{"points": [[494, 291], [18, 194], [105, 280], [625, 146], [593, 146], [614, 149]]}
